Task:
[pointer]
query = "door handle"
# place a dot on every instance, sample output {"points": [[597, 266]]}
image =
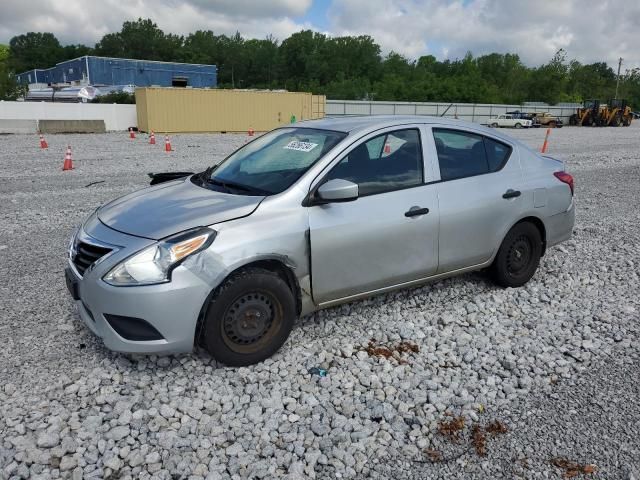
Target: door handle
{"points": [[415, 211], [511, 194]]}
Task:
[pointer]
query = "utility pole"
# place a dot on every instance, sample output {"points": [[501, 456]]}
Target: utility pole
{"points": [[618, 80]]}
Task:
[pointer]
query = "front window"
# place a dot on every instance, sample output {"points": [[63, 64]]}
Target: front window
{"points": [[273, 162], [388, 162]]}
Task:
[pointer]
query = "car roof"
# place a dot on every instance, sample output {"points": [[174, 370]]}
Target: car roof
{"points": [[369, 123]]}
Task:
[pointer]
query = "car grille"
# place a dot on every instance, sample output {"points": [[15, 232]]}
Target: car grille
{"points": [[87, 254]]}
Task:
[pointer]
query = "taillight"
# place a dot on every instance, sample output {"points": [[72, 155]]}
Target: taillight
{"points": [[564, 177]]}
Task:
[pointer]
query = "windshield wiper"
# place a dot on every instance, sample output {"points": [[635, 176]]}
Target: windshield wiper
{"points": [[238, 186], [204, 176]]}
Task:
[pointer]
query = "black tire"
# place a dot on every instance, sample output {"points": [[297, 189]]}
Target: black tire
{"points": [[249, 317], [518, 257], [573, 120], [494, 125], [518, 125], [553, 124]]}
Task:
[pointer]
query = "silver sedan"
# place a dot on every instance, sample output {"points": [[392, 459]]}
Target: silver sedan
{"points": [[309, 216]]}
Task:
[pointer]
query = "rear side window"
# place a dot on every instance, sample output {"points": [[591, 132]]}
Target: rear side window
{"points": [[460, 154], [497, 153], [465, 154]]}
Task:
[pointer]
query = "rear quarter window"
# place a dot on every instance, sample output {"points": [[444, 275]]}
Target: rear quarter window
{"points": [[497, 153]]}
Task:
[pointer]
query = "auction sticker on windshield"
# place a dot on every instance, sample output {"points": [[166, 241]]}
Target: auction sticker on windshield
{"points": [[300, 146]]}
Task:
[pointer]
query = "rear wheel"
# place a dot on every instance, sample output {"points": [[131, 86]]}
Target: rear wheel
{"points": [[518, 257], [249, 317], [552, 124], [573, 120]]}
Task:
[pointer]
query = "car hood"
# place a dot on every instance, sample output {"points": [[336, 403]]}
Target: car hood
{"points": [[162, 210]]}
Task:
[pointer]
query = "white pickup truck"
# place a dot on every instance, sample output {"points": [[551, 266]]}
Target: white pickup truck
{"points": [[509, 121]]}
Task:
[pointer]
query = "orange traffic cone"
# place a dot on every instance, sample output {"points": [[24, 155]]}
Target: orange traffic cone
{"points": [[132, 134], [546, 141], [387, 148], [250, 132], [43, 142], [68, 161], [167, 144]]}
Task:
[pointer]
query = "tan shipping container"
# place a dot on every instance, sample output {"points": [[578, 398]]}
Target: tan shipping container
{"points": [[174, 110]]}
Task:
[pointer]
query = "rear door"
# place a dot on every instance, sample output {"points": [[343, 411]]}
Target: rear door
{"points": [[381, 239], [479, 195]]}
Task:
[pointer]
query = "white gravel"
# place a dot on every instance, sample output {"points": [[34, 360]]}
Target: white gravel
{"points": [[71, 409]]}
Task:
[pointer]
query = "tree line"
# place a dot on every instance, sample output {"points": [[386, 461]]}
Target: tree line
{"points": [[346, 68]]}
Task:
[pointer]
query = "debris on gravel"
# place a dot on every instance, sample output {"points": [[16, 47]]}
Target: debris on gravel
{"points": [[554, 361]]}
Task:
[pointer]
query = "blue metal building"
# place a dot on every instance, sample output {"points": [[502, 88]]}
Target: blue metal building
{"points": [[90, 70]]}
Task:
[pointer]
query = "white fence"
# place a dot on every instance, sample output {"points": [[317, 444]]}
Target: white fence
{"points": [[473, 112], [116, 117]]}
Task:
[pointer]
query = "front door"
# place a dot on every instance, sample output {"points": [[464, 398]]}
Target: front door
{"points": [[386, 237]]}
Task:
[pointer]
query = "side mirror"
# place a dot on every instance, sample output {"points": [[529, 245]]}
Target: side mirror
{"points": [[337, 190]]}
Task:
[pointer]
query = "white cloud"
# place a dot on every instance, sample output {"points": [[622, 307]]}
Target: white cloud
{"points": [[80, 21], [590, 30]]}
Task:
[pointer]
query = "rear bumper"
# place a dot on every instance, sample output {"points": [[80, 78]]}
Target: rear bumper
{"points": [[560, 226]]}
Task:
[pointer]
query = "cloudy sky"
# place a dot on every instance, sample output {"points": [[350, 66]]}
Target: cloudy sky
{"points": [[590, 30]]}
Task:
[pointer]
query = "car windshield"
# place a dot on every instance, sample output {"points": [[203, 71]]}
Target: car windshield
{"points": [[271, 163]]}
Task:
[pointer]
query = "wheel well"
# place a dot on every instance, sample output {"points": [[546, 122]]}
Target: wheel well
{"points": [[285, 273], [540, 226], [272, 265]]}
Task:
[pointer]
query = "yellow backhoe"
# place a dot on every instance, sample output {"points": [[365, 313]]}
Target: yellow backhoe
{"points": [[589, 114], [615, 114]]}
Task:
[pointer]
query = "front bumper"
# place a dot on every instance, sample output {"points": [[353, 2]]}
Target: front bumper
{"points": [[172, 308]]}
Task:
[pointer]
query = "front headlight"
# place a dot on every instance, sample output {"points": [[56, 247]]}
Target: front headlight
{"points": [[155, 263], [72, 243]]}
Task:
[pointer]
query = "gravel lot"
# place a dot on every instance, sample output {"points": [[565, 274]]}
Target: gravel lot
{"points": [[555, 363]]}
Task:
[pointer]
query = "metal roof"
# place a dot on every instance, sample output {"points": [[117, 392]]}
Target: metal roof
{"points": [[360, 124]]}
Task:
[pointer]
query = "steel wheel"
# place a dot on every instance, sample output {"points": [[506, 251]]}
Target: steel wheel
{"points": [[251, 321], [519, 256], [249, 317]]}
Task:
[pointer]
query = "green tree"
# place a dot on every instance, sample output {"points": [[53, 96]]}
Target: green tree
{"points": [[346, 67], [143, 40], [596, 80], [9, 89], [34, 50], [75, 51], [548, 83], [303, 62]]}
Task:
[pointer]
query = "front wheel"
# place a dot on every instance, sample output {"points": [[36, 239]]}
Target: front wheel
{"points": [[518, 257], [249, 318], [494, 125], [518, 125]]}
